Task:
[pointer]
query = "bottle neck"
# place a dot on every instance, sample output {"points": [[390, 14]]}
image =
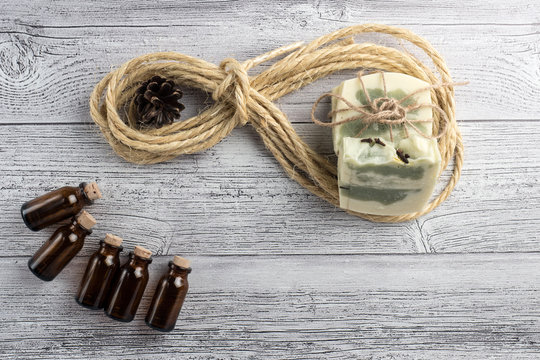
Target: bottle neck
{"points": [[78, 229], [175, 270], [83, 194], [108, 249], [136, 261]]}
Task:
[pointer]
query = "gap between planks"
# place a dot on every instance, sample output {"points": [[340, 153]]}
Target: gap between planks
{"points": [[86, 123]]}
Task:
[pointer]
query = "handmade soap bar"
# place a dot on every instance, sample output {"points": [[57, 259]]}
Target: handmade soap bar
{"points": [[384, 170]]}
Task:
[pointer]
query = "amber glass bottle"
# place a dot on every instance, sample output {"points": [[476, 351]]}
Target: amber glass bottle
{"points": [[99, 273], [128, 288], [58, 205], [169, 296], [61, 247]]}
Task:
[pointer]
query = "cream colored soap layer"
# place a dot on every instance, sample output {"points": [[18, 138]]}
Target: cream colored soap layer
{"points": [[383, 184], [372, 178]]}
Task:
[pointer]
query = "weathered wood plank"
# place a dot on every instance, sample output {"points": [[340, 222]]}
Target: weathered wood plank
{"points": [[500, 186], [235, 199], [50, 64], [342, 307], [232, 199], [281, 12]]}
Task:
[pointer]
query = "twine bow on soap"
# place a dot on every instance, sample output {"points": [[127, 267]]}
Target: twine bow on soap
{"points": [[240, 99], [385, 110]]}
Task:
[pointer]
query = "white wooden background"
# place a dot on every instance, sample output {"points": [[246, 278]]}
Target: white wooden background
{"points": [[277, 272]]}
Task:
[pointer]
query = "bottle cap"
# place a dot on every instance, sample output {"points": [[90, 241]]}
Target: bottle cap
{"points": [[181, 262], [142, 252], [86, 220], [92, 191], [113, 240]]}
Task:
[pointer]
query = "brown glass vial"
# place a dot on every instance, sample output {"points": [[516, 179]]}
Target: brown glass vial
{"points": [[61, 247], [99, 273], [58, 205], [129, 285], [169, 296]]}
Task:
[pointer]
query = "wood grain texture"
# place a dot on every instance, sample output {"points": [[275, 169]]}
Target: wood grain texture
{"points": [[235, 198], [53, 55], [278, 273], [228, 12], [331, 307]]}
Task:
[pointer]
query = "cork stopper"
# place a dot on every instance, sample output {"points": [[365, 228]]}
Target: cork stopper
{"points": [[86, 220], [92, 191], [142, 252], [181, 262], [113, 240]]}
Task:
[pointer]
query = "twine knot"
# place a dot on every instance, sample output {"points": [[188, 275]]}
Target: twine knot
{"points": [[235, 88], [388, 108]]}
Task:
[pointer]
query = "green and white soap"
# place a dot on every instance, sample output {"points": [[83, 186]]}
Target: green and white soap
{"points": [[385, 177]]}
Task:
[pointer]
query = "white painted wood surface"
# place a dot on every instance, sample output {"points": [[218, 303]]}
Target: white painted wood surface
{"points": [[278, 273], [382, 307]]}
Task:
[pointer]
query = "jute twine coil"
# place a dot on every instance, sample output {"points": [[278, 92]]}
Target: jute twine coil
{"points": [[241, 99]]}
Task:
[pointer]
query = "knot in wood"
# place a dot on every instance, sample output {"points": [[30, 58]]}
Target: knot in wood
{"points": [[234, 89], [18, 62]]}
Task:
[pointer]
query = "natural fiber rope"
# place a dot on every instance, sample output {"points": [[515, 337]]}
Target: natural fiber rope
{"points": [[241, 99]]}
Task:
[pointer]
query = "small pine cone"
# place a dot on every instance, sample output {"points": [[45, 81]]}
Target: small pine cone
{"points": [[158, 103]]}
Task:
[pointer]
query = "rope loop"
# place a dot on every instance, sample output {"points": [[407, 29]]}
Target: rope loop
{"points": [[240, 99]]}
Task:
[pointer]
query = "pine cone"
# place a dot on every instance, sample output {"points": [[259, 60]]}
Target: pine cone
{"points": [[158, 102]]}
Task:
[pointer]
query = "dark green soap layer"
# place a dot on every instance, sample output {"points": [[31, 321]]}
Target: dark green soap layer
{"points": [[404, 172], [383, 196]]}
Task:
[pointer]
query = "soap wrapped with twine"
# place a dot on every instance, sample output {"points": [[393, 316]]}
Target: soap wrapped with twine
{"points": [[385, 110], [241, 99]]}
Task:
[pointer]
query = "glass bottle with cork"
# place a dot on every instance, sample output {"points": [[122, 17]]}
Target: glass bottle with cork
{"points": [[100, 272], [61, 247], [58, 205], [128, 288], [169, 296]]}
